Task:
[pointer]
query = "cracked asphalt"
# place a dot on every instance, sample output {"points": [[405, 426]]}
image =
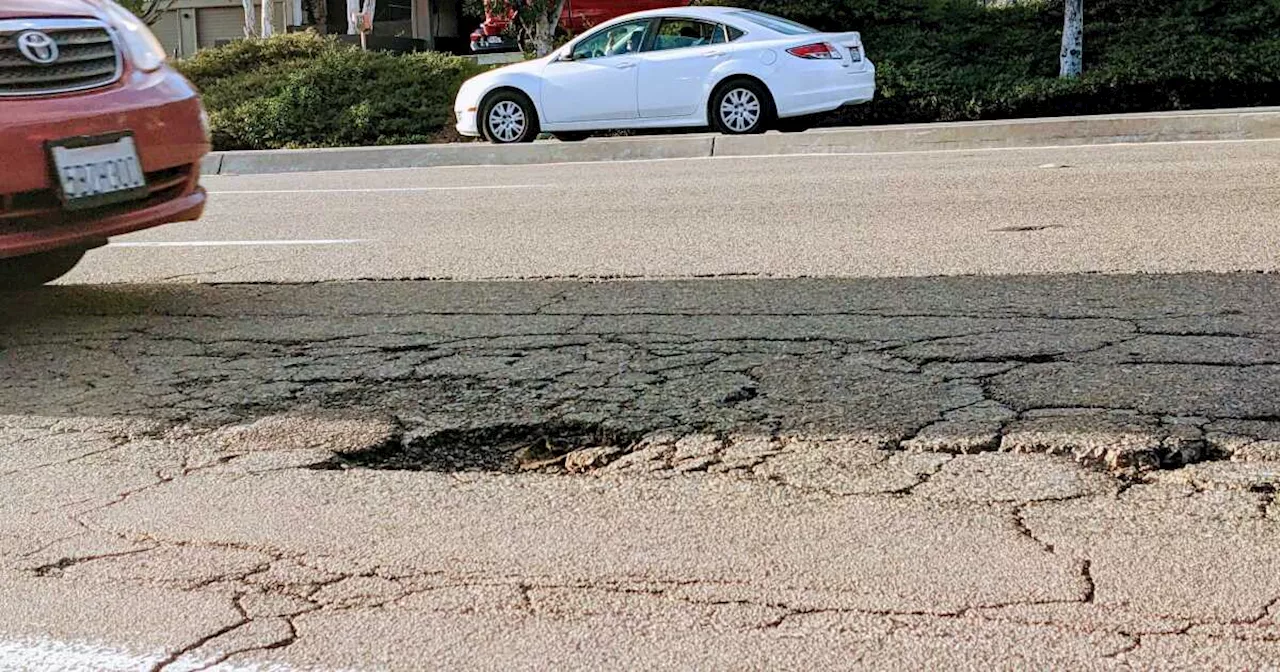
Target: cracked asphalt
{"points": [[1062, 471]]}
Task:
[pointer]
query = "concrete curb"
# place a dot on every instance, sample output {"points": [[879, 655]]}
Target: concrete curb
{"points": [[462, 154], [1224, 125], [1233, 124]]}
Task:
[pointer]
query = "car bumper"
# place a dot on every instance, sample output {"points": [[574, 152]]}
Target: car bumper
{"points": [[467, 123], [163, 113], [825, 91], [466, 108], [94, 231]]}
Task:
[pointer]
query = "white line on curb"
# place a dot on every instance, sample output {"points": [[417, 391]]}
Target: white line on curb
{"points": [[235, 243], [384, 189]]}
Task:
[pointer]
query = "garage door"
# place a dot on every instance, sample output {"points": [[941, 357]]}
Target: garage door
{"points": [[219, 23]]}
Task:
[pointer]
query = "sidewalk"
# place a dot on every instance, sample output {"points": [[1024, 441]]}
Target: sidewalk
{"points": [[1207, 125]]}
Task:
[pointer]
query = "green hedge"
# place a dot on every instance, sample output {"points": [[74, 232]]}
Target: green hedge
{"points": [[947, 60], [938, 60], [303, 90]]}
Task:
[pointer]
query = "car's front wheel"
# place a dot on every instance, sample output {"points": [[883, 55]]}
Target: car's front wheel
{"points": [[33, 270], [740, 107], [509, 117]]}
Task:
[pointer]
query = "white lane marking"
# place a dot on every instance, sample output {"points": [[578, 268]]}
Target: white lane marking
{"points": [[49, 654], [728, 157], [384, 189], [236, 243], [42, 653]]}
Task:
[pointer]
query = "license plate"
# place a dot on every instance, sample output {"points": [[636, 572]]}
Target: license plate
{"points": [[97, 171]]}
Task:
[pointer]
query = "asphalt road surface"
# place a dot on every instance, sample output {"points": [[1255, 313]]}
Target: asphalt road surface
{"points": [[1063, 470], [1137, 208]]}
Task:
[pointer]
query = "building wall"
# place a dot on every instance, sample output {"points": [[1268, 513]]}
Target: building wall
{"points": [[190, 25]]}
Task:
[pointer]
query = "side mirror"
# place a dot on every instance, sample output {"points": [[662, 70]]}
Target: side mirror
{"points": [[567, 55]]}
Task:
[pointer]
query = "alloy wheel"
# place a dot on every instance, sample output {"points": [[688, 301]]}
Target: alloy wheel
{"points": [[507, 121], [740, 110]]}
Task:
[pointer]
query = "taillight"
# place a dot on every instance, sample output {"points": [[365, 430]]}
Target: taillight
{"points": [[816, 51]]}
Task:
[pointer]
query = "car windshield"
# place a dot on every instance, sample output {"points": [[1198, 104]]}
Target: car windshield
{"points": [[775, 23], [621, 39]]}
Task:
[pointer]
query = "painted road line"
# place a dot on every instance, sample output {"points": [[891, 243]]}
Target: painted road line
{"points": [[384, 189], [42, 653], [235, 243]]}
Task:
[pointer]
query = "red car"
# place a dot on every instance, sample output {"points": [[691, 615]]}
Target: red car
{"points": [[577, 16], [98, 136]]}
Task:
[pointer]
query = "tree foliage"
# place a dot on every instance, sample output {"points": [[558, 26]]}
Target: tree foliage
{"points": [[536, 21], [149, 11]]}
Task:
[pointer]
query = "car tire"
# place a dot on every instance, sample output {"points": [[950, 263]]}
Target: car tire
{"points": [[741, 107], [571, 136], [508, 117], [34, 270]]}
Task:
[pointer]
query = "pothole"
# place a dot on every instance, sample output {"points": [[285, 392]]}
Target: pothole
{"points": [[504, 448]]}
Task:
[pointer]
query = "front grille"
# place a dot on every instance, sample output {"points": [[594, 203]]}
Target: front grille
{"points": [[41, 209], [87, 57]]}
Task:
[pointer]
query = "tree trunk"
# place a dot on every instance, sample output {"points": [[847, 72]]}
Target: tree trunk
{"points": [[544, 29], [353, 7], [250, 19], [1072, 56], [543, 36], [268, 18]]}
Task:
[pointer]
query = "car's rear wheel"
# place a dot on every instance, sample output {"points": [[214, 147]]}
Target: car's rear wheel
{"points": [[741, 107], [33, 270], [571, 136], [508, 117]]}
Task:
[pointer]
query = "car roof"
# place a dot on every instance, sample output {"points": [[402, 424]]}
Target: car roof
{"points": [[692, 12], [729, 15]]}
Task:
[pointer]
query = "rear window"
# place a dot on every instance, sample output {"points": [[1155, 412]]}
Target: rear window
{"points": [[775, 23]]}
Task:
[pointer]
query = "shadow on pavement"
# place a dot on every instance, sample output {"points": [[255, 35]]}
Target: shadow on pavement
{"points": [[1132, 372]]}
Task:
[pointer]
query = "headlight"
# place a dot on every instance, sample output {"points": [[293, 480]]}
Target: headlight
{"points": [[140, 44]]}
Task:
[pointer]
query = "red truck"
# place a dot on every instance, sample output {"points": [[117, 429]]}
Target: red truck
{"points": [[577, 16]]}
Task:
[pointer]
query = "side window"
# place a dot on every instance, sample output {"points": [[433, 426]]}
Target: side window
{"points": [[682, 33], [734, 33], [621, 39]]}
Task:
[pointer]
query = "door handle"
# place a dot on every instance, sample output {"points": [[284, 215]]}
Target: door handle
{"points": [[625, 66], [714, 54]]}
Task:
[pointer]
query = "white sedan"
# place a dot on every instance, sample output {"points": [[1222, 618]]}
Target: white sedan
{"points": [[735, 70]]}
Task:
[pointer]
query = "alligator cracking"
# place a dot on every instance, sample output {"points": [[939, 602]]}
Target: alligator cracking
{"points": [[237, 445]]}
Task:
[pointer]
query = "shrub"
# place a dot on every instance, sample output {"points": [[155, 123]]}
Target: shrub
{"points": [[303, 90], [949, 60]]}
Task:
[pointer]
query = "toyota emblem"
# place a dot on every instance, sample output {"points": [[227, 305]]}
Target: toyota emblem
{"points": [[38, 47]]}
